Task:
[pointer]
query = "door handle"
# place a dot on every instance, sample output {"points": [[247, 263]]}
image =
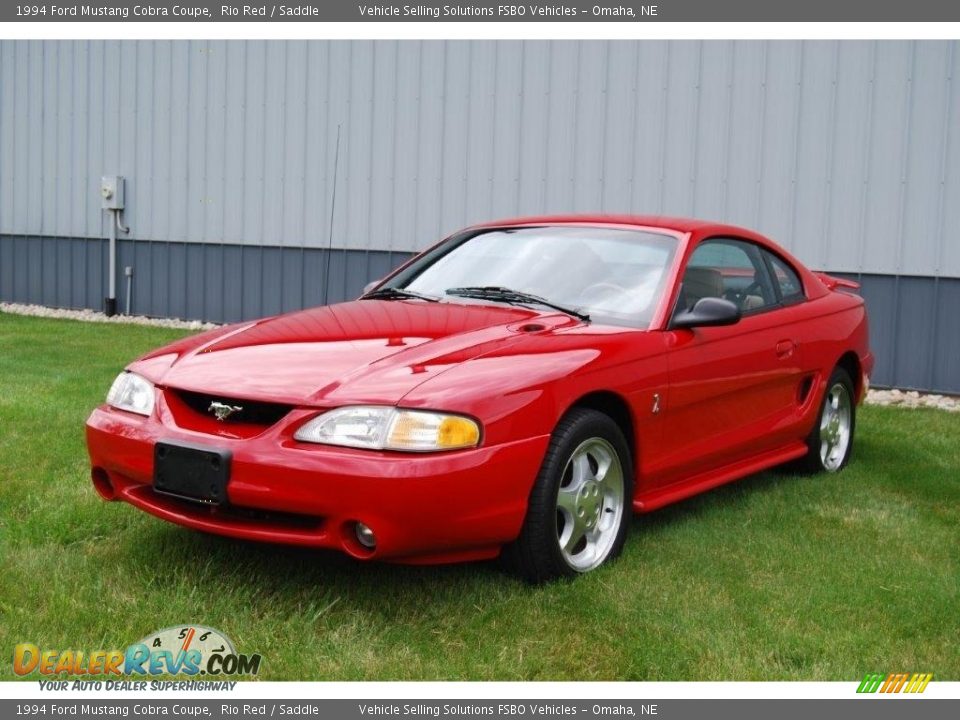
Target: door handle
{"points": [[785, 349]]}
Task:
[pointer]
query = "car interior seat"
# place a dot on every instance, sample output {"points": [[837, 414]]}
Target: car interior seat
{"points": [[751, 302], [701, 282]]}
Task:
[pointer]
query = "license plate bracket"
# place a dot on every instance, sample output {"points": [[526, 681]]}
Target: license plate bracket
{"points": [[191, 472]]}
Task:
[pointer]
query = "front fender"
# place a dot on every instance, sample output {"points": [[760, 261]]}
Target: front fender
{"points": [[523, 391]]}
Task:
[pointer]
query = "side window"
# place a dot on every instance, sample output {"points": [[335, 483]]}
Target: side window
{"points": [[791, 289], [729, 269]]}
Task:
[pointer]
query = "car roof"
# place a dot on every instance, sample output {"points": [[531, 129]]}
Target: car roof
{"points": [[677, 224]]}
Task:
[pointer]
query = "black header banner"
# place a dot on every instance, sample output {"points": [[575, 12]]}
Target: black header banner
{"points": [[483, 11]]}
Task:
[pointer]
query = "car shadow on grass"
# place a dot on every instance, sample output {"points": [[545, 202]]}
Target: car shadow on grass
{"points": [[243, 562], [249, 563], [725, 498]]}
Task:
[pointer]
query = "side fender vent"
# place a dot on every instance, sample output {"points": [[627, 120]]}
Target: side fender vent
{"points": [[803, 390]]}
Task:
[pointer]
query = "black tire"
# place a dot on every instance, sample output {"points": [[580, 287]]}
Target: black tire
{"points": [[536, 554], [814, 461]]}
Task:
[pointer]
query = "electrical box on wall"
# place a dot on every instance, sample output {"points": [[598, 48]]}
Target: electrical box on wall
{"points": [[111, 192]]}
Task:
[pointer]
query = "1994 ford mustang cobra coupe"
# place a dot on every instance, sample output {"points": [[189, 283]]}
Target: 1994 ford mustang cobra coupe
{"points": [[517, 388]]}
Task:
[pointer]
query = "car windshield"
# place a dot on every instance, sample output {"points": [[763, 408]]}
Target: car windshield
{"points": [[615, 276]]}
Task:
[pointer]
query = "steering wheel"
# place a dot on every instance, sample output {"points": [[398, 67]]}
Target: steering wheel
{"points": [[600, 290], [738, 296]]}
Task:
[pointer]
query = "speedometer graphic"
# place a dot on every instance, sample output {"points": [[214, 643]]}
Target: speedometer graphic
{"points": [[190, 637], [189, 650]]}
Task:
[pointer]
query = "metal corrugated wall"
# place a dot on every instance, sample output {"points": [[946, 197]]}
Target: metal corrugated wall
{"points": [[914, 330], [847, 152], [219, 283]]}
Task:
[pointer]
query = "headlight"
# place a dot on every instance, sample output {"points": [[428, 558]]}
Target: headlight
{"points": [[132, 393], [387, 428]]}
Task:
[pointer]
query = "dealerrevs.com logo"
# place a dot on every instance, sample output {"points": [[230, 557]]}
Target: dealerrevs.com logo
{"points": [[190, 650]]}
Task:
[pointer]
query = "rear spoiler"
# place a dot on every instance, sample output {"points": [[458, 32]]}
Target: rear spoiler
{"points": [[833, 283]]}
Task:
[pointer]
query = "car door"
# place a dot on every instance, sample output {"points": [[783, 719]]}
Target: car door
{"points": [[732, 390]]}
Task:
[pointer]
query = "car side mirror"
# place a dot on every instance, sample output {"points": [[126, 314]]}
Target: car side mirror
{"points": [[708, 312], [371, 285]]}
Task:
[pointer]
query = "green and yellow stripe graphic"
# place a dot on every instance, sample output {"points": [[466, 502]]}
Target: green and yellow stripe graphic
{"points": [[895, 682]]}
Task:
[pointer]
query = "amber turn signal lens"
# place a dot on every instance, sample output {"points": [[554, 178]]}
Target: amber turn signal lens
{"points": [[425, 431], [389, 428], [457, 432]]}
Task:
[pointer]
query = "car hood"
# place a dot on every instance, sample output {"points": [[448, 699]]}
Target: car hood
{"points": [[373, 351]]}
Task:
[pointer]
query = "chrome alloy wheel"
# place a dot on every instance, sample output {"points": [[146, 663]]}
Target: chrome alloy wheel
{"points": [[590, 504], [835, 424]]}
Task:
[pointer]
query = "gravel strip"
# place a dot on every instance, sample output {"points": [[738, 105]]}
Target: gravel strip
{"points": [[91, 316], [898, 398], [913, 399]]}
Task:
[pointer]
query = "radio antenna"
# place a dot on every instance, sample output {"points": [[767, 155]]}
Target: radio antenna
{"points": [[333, 206]]}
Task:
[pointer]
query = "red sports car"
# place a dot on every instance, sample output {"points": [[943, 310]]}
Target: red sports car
{"points": [[518, 388]]}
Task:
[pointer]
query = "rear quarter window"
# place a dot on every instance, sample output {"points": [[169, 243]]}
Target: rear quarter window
{"points": [[791, 289]]}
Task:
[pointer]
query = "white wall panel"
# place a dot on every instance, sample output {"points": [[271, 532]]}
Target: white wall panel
{"points": [[847, 152], [949, 203]]}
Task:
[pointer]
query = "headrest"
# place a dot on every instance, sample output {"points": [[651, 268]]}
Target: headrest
{"points": [[703, 282]]}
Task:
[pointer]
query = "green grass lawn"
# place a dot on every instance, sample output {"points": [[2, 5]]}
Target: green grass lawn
{"points": [[777, 577]]}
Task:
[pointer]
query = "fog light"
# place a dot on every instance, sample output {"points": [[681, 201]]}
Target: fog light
{"points": [[102, 484], [365, 536]]}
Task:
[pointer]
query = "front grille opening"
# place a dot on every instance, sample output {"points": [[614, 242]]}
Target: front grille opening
{"points": [[273, 517], [247, 412], [247, 516]]}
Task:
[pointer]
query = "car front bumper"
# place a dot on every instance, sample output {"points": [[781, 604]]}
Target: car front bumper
{"points": [[438, 507]]}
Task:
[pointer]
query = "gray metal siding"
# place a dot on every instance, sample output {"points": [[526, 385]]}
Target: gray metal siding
{"points": [[913, 330], [847, 152], [214, 282]]}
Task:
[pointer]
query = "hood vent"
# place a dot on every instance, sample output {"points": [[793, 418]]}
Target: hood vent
{"points": [[531, 328]]}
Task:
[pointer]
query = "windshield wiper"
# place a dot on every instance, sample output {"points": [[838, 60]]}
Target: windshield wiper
{"points": [[502, 294], [395, 293]]}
